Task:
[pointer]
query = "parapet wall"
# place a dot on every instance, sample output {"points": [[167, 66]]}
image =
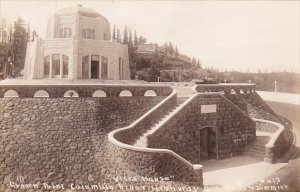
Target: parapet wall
{"points": [[56, 91], [181, 133], [226, 88]]}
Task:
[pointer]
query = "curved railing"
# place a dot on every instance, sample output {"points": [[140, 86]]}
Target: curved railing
{"points": [[122, 138], [277, 144]]}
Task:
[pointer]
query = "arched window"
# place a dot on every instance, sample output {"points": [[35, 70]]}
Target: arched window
{"points": [[99, 93], [11, 93], [41, 93], [71, 93], [125, 93], [47, 66], [150, 93], [65, 65]]}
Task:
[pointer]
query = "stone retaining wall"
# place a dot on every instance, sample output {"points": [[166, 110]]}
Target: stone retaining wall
{"points": [[182, 133], [63, 140]]}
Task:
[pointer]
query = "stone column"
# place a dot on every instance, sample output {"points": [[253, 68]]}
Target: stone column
{"points": [[198, 170]]}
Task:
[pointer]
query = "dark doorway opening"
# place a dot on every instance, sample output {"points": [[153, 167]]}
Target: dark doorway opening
{"points": [[208, 143], [95, 69]]}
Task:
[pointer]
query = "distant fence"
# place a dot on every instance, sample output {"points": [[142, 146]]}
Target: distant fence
{"points": [[57, 91]]}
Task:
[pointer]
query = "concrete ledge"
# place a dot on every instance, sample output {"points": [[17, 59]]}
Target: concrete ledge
{"points": [[113, 90]]}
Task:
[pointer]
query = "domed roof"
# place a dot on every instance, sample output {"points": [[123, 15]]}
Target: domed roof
{"points": [[84, 11]]}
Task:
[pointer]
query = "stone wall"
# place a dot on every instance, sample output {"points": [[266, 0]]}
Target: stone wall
{"points": [[130, 136], [64, 140], [182, 132], [158, 164]]}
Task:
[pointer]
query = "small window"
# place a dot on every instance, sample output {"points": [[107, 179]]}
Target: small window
{"points": [[104, 63], [85, 67], [65, 32], [92, 34], [84, 33], [65, 65], [56, 64], [88, 34], [47, 65]]}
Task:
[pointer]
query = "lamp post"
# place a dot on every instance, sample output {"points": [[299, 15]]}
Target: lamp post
{"points": [[158, 78], [275, 87]]}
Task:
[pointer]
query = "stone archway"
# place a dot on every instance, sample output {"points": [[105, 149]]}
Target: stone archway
{"points": [[208, 143]]}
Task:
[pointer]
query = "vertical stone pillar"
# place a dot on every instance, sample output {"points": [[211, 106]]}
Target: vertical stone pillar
{"points": [[198, 172]]}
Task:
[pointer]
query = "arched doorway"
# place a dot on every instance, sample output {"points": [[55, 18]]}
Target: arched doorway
{"points": [[208, 143]]}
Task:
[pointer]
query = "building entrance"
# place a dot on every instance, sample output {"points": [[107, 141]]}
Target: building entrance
{"points": [[208, 143], [95, 69]]}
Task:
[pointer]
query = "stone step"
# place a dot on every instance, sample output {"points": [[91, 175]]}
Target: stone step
{"points": [[260, 153], [255, 156], [142, 140], [257, 147]]}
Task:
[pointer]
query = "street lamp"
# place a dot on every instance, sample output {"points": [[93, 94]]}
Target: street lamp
{"points": [[275, 83]]}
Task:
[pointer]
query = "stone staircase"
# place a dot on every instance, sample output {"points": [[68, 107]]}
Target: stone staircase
{"points": [[142, 140], [257, 149]]}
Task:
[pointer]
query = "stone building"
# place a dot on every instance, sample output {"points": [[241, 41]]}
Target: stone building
{"points": [[78, 45]]}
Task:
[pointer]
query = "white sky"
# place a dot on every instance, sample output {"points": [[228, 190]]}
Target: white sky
{"points": [[223, 34]]}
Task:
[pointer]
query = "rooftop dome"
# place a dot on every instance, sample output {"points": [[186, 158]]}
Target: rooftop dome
{"points": [[84, 11]]}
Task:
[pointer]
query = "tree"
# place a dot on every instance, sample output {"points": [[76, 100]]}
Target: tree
{"points": [[125, 36], [118, 36], [194, 61], [135, 41], [171, 48], [199, 64], [114, 32], [176, 52], [130, 39], [19, 45], [142, 40]]}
